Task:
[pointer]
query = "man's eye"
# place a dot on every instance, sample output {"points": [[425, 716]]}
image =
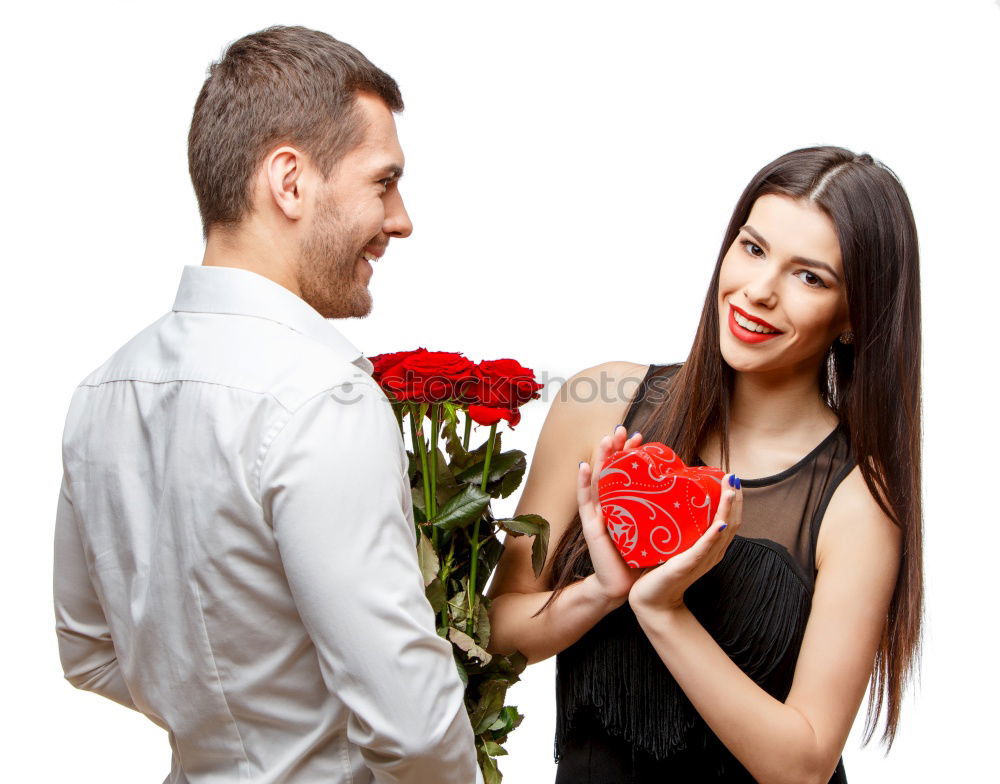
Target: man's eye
{"points": [[385, 182], [752, 248]]}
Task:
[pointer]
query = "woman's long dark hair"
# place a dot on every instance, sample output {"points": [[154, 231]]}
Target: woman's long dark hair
{"points": [[872, 384]]}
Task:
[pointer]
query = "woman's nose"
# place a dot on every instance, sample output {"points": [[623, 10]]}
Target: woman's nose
{"points": [[762, 290]]}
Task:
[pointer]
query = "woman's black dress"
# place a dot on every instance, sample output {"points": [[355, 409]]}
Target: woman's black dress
{"points": [[620, 715]]}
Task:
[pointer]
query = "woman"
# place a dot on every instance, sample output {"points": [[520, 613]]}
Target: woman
{"points": [[746, 657]]}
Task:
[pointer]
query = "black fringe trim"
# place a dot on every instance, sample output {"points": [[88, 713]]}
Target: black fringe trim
{"points": [[752, 603]]}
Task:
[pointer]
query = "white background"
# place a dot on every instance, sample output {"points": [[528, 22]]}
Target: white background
{"points": [[570, 170]]}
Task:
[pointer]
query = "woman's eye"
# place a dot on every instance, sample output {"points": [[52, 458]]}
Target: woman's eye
{"points": [[385, 182], [752, 248], [815, 281]]}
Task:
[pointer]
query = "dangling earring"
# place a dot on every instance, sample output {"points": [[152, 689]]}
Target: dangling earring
{"points": [[846, 337]]}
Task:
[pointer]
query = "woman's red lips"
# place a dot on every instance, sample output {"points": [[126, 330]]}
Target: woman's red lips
{"points": [[754, 318], [748, 335]]}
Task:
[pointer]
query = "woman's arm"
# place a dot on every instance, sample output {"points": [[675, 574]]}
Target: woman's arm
{"points": [[798, 741], [577, 419], [566, 620]]}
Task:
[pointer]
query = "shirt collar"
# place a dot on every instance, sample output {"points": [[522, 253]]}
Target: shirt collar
{"points": [[236, 291]]}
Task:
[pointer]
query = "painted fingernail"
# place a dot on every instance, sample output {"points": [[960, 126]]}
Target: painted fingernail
{"points": [[634, 434], [738, 485], [723, 526], [732, 480], [616, 428]]}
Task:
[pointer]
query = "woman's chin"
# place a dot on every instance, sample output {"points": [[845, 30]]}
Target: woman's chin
{"points": [[745, 358]]}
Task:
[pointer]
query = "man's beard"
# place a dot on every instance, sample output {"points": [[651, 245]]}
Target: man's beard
{"points": [[328, 270]]}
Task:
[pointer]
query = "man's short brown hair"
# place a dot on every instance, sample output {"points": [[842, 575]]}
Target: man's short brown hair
{"points": [[282, 85]]}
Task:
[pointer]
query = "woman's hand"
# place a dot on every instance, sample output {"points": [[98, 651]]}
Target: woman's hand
{"points": [[663, 586], [614, 577]]}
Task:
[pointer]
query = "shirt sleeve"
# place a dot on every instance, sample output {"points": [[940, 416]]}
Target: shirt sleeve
{"points": [[86, 649], [335, 490]]}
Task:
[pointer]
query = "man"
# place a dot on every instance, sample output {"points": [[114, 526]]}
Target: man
{"points": [[234, 549]]}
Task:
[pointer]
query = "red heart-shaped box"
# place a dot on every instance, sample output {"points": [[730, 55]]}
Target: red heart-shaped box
{"points": [[655, 506]]}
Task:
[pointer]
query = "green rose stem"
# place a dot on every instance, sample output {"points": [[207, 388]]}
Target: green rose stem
{"points": [[429, 501], [475, 532], [432, 494], [465, 446], [432, 467], [421, 448]]}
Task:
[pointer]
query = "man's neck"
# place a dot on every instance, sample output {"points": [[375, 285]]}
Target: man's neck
{"points": [[245, 250]]}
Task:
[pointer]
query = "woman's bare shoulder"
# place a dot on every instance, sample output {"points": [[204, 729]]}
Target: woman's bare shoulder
{"points": [[590, 404], [852, 516], [604, 388]]}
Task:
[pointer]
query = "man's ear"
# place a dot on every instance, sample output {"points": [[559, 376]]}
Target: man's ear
{"points": [[283, 170]]}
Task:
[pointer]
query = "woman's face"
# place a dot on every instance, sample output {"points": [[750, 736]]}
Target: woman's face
{"points": [[783, 269]]}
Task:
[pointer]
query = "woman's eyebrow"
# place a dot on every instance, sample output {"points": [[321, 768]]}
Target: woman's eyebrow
{"points": [[753, 233], [796, 259]]}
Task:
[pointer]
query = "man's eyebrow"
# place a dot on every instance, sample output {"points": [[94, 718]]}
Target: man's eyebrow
{"points": [[796, 259], [392, 170]]}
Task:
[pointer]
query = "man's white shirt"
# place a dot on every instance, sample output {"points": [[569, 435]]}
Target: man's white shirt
{"points": [[234, 551]]}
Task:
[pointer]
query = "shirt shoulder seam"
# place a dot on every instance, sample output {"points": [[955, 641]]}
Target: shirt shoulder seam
{"points": [[262, 393], [278, 427]]}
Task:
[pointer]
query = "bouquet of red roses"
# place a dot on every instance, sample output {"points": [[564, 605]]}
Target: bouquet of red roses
{"points": [[456, 533]]}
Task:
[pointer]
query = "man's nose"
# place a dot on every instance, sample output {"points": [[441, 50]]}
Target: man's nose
{"points": [[397, 220]]}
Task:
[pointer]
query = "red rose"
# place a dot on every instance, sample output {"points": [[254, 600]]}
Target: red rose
{"points": [[382, 362], [505, 383], [484, 415], [430, 377]]}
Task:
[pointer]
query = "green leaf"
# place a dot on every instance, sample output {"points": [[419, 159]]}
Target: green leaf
{"points": [[529, 524], [500, 465], [491, 774], [446, 484], [490, 550], [418, 499], [462, 509], [467, 644], [490, 704], [508, 483], [482, 629], [412, 465], [479, 453], [494, 749], [457, 607], [532, 525], [418, 516], [540, 548], [435, 594], [499, 724], [453, 446], [511, 716], [462, 674], [448, 410], [427, 559], [512, 664]]}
